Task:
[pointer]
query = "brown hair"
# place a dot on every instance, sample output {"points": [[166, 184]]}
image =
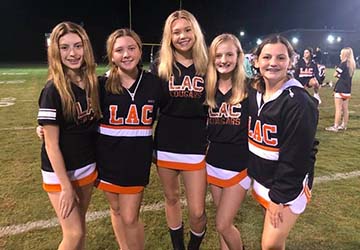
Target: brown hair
{"points": [[258, 83], [57, 71]]}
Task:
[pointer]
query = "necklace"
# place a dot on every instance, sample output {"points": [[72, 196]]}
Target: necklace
{"points": [[132, 95]]}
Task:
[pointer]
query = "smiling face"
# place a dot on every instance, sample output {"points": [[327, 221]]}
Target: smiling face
{"points": [[71, 51], [307, 54], [182, 35], [126, 53], [273, 63], [226, 57]]}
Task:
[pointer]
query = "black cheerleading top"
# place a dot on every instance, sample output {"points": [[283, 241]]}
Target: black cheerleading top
{"points": [[305, 71], [227, 132], [282, 140], [125, 144], [185, 93], [77, 138], [343, 84]]}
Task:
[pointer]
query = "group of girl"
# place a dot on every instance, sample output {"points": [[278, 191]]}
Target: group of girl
{"points": [[212, 128]]}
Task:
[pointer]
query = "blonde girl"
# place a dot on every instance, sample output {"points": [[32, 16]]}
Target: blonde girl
{"points": [[180, 137], [342, 90], [129, 101], [227, 155]]}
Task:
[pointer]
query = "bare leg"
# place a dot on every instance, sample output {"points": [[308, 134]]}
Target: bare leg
{"points": [[345, 109], [216, 195], [116, 221], [125, 209], [274, 238], [195, 191], [171, 184], [338, 111], [227, 208], [73, 227]]}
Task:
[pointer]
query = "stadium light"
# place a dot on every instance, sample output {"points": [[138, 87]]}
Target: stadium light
{"points": [[295, 40], [339, 39], [47, 39], [242, 33], [330, 39], [258, 41]]}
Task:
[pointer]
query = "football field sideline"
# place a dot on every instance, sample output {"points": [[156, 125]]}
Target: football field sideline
{"points": [[92, 216]]}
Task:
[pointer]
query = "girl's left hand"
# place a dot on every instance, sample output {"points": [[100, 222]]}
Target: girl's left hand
{"points": [[68, 200], [276, 214]]}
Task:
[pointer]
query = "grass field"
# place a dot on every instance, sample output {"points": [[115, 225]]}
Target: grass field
{"points": [[331, 221]]}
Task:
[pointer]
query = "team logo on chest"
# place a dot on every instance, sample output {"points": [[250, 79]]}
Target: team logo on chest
{"points": [[306, 72], [133, 117], [84, 115], [263, 133], [226, 114], [190, 87]]}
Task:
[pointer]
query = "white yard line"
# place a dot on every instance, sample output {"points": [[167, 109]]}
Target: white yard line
{"points": [[91, 216], [17, 128], [12, 81], [335, 177], [14, 73]]}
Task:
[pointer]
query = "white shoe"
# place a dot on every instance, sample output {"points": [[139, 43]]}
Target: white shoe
{"points": [[317, 96], [332, 129], [341, 127]]}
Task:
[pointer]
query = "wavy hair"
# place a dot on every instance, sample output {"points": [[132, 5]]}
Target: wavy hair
{"points": [[57, 72], [113, 83], [238, 91], [311, 52], [259, 82], [166, 53], [350, 60]]}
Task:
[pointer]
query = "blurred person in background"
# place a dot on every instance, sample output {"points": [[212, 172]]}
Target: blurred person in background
{"points": [[307, 73], [342, 90]]}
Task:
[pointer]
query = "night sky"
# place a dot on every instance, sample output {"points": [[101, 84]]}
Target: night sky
{"points": [[24, 23]]}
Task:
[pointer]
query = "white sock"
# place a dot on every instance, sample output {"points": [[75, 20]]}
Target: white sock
{"points": [[198, 234], [176, 228]]}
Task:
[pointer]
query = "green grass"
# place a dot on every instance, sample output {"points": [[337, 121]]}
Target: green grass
{"points": [[331, 221]]}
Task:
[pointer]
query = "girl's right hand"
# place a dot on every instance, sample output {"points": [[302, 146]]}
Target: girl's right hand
{"points": [[68, 200], [40, 132]]}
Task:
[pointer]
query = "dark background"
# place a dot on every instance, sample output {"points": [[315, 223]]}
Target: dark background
{"points": [[24, 23]]}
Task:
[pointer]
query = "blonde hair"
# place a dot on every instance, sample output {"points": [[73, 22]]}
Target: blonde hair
{"points": [[113, 83], [166, 54], [348, 54], [238, 75], [57, 71]]}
